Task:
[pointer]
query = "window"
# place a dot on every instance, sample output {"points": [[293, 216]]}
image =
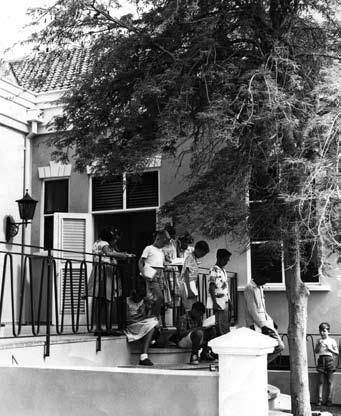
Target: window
{"points": [[126, 192], [56, 199], [270, 257], [143, 191], [265, 253], [107, 195]]}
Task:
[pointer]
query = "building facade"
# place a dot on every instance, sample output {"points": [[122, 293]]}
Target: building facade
{"points": [[73, 207]]}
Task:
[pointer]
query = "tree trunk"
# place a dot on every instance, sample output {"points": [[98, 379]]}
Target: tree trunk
{"points": [[297, 295]]}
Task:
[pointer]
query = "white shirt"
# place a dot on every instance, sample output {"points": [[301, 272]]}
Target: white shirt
{"points": [[153, 256], [325, 344], [255, 312]]}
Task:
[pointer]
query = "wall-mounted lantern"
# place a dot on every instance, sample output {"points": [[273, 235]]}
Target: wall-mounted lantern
{"points": [[27, 206]]}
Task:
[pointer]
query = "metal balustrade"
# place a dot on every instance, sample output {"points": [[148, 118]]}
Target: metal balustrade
{"points": [[49, 293], [282, 362]]}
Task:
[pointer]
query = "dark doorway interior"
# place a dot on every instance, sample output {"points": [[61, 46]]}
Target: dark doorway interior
{"points": [[137, 229]]}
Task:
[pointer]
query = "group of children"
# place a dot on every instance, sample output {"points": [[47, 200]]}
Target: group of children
{"points": [[190, 330], [153, 291]]}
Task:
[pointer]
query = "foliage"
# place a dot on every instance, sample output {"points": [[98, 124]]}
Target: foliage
{"points": [[245, 89], [234, 85]]}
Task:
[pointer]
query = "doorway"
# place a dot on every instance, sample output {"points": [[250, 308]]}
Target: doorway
{"points": [[137, 228]]}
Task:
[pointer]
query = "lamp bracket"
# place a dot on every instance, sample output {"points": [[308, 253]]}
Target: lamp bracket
{"points": [[12, 227]]}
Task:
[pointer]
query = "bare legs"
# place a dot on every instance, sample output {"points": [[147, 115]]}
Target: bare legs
{"points": [[146, 340], [329, 383]]}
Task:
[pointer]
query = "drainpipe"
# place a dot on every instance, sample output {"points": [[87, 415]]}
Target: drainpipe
{"points": [[33, 118]]}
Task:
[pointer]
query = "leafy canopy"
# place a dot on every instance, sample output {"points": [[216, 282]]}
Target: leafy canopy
{"points": [[244, 89]]}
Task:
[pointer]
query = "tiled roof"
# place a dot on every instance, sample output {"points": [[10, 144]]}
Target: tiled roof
{"points": [[51, 71]]}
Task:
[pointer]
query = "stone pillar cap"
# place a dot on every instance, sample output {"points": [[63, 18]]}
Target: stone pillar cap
{"points": [[243, 341]]}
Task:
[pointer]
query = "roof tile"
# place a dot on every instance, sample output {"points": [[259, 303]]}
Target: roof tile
{"points": [[50, 71]]}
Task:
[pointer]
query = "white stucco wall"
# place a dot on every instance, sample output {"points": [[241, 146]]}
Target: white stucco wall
{"points": [[11, 189]]}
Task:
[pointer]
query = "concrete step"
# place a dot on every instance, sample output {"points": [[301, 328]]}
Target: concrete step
{"points": [[167, 356], [282, 403], [208, 366]]}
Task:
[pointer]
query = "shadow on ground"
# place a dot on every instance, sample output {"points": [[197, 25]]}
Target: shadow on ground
{"points": [[334, 410]]}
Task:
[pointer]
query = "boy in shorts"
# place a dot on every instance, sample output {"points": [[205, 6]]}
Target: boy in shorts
{"points": [[327, 349]]}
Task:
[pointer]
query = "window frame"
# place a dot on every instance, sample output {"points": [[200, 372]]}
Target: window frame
{"points": [[124, 205], [277, 286], [42, 207]]}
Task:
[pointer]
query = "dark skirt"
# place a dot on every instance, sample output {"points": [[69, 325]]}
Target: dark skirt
{"points": [[325, 364]]}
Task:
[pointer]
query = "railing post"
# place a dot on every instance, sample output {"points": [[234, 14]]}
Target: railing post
{"points": [[243, 372], [99, 303], [48, 302]]}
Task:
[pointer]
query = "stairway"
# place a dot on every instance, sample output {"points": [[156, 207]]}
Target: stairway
{"points": [[163, 356], [279, 404], [174, 358]]}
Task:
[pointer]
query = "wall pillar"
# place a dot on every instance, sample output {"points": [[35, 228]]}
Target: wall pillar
{"points": [[243, 375]]}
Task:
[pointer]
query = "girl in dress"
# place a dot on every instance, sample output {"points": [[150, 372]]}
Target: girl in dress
{"points": [[103, 282], [139, 326]]}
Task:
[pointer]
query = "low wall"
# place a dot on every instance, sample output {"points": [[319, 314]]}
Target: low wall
{"points": [[97, 391], [281, 379], [66, 352]]}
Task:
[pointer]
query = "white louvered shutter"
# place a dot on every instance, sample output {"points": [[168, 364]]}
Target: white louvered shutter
{"points": [[72, 232]]}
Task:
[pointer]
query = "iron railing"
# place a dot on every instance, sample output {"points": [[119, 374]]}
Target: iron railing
{"points": [[49, 293], [282, 361], [202, 285], [61, 281]]}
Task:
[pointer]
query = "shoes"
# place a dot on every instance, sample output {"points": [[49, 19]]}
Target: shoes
{"points": [[146, 362], [206, 355], [319, 403], [329, 403], [194, 359]]}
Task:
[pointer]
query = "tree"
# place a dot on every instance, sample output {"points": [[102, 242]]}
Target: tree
{"points": [[243, 87]]}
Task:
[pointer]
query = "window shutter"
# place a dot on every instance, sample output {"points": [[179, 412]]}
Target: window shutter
{"points": [[71, 232], [107, 195], [75, 291], [73, 237], [143, 191]]}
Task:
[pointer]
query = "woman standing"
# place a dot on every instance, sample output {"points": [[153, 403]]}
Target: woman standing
{"points": [[102, 283]]}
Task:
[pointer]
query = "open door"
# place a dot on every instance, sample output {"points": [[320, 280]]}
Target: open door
{"points": [[72, 233]]}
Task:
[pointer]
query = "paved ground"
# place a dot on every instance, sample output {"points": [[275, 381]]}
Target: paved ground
{"points": [[334, 410]]}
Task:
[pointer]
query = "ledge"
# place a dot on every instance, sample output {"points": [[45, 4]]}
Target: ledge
{"points": [[318, 287]]}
